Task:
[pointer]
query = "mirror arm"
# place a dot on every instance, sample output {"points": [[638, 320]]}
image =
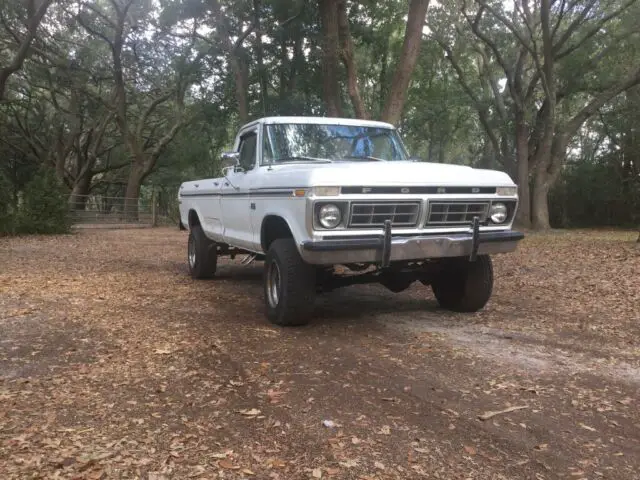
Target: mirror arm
{"points": [[225, 174]]}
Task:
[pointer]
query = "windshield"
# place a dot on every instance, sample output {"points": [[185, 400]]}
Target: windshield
{"points": [[308, 142]]}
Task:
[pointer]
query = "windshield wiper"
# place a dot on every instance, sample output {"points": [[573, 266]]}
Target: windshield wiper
{"points": [[293, 159], [364, 158]]}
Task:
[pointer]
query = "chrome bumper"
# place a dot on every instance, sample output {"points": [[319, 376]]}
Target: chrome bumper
{"points": [[386, 249]]}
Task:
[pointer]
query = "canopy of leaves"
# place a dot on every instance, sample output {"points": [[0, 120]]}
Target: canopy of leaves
{"points": [[120, 96]]}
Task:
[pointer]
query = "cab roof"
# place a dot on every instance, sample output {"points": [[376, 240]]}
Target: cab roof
{"points": [[318, 120]]}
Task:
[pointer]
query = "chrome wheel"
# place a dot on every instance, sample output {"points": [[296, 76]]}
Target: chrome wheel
{"points": [[191, 252], [273, 284]]}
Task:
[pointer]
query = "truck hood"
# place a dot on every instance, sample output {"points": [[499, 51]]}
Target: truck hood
{"points": [[384, 174]]}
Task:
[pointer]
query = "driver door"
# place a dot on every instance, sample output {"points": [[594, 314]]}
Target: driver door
{"points": [[236, 186]]}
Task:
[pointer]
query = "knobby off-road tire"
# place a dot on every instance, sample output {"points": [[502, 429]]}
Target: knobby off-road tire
{"points": [[202, 254], [289, 285], [465, 286]]}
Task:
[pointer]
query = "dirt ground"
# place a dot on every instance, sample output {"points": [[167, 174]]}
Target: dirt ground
{"points": [[115, 364]]}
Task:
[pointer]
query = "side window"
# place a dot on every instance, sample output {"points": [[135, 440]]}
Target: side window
{"points": [[248, 151]]}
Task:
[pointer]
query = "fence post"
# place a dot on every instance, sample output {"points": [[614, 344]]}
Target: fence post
{"points": [[154, 209]]}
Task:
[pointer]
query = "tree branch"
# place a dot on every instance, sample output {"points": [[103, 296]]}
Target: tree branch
{"points": [[291, 19], [349, 62], [33, 22], [496, 51], [559, 20], [108, 168], [3, 20], [506, 22], [594, 105], [149, 110], [584, 11], [493, 84], [597, 28], [94, 32], [243, 36], [480, 107], [162, 144]]}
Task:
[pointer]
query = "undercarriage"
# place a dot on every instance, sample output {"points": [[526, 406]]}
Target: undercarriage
{"points": [[459, 283], [398, 276]]}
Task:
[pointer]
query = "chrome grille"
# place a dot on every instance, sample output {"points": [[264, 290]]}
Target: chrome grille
{"points": [[456, 213], [369, 215]]}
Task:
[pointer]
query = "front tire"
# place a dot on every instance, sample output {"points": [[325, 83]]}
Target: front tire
{"points": [[289, 284], [202, 254], [464, 286]]}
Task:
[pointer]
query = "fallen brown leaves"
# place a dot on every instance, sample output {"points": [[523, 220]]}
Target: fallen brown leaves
{"points": [[587, 280], [114, 364]]}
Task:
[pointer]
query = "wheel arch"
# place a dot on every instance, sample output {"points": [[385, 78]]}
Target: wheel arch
{"points": [[272, 228], [193, 219]]}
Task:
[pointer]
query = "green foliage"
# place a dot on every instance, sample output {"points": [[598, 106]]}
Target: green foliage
{"points": [[594, 194], [44, 208], [60, 108]]}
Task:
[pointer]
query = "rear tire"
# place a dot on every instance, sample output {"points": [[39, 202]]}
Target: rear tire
{"points": [[289, 284], [464, 286], [202, 254]]}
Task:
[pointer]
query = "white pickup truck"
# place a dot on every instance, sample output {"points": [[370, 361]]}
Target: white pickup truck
{"points": [[330, 202]]}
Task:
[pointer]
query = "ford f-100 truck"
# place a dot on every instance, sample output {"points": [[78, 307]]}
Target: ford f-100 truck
{"points": [[330, 202]]}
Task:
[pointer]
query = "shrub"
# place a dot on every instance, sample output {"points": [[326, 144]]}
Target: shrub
{"points": [[595, 194], [44, 208], [7, 217]]}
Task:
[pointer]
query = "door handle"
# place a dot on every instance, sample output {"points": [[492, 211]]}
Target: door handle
{"points": [[215, 184], [226, 184]]}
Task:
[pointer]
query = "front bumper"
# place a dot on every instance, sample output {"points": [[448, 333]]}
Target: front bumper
{"points": [[386, 249]]}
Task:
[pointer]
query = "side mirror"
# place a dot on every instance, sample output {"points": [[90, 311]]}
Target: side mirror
{"points": [[230, 159]]}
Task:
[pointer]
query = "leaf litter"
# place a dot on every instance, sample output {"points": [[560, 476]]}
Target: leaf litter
{"points": [[102, 333]]}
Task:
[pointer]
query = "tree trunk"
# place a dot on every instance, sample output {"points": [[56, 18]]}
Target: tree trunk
{"points": [[349, 62], [487, 156], [236, 60], [441, 151], [407, 62], [431, 151], [297, 62], [284, 60], [523, 217], [540, 200], [132, 192], [241, 74], [262, 73], [330, 38], [79, 193], [384, 88], [505, 158]]}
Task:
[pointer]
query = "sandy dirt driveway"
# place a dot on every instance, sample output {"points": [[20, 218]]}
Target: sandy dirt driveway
{"points": [[115, 364]]}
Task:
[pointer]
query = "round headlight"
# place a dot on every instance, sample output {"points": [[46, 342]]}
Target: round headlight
{"points": [[498, 213], [329, 216]]}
